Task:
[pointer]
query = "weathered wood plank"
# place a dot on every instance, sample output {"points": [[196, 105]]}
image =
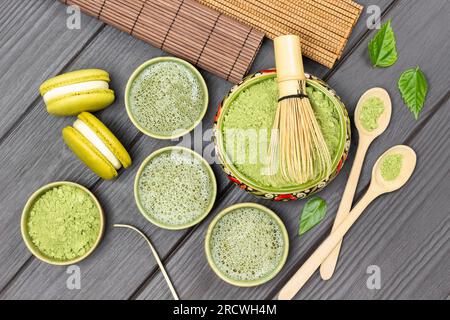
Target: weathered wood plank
{"points": [[356, 75], [35, 43], [409, 21], [361, 27], [265, 59], [52, 283], [32, 160], [107, 51], [404, 233]]}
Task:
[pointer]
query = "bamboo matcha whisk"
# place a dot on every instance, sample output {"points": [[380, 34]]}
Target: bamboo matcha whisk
{"points": [[298, 152]]}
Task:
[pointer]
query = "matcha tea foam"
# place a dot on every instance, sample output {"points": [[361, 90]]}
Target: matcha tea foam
{"points": [[247, 244], [167, 97], [175, 188]]}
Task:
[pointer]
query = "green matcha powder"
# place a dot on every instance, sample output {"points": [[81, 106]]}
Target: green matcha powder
{"points": [[371, 111], [64, 223], [254, 109], [391, 166]]}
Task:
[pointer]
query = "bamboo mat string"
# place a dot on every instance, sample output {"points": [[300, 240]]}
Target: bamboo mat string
{"points": [[101, 9], [137, 18], [171, 24], [239, 54], [207, 39]]}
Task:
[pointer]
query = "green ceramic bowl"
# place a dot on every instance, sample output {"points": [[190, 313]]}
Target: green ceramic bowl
{"points": [[182, 131], [247, 283], [148, 215], [282, 193], [24, 228]]}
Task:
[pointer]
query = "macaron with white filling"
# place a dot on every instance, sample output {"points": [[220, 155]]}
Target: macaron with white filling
{"points": [[95, 145], [77, 91]]}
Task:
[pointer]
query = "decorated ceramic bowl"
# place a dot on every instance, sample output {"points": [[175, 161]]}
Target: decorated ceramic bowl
{"points": [[235, 111]]}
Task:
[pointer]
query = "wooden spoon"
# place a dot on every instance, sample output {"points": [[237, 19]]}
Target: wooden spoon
{"points": [[378, 186], [365, 139]]}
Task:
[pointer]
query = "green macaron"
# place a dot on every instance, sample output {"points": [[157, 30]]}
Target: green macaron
{"points": [[77, 91], [95, 145]]}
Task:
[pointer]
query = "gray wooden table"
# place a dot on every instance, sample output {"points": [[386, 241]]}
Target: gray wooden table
{"points": [[406, 234]]}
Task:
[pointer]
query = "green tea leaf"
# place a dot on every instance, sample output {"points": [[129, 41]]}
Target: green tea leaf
{"points": [[382, 48], [414, 87], [313, 212]]}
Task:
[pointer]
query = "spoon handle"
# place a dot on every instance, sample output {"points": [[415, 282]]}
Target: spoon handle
{"points": [[303, 274], [328, 266]]}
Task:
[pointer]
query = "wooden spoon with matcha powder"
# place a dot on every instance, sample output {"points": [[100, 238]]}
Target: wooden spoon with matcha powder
{"points": [[391, 171], [372, 117]]}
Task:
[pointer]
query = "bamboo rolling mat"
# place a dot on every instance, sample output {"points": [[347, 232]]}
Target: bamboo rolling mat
{"points": [[323, 25], [185, 28]]}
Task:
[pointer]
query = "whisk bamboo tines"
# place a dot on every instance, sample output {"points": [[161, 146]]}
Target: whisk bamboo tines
{"points": [[298, 152]]}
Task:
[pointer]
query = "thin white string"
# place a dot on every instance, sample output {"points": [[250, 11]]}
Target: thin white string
{"points": [[155, 254]]}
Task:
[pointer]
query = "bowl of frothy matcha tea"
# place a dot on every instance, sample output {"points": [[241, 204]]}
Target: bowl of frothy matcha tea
{"points": [[175, 188], [243, 129], [246, 244], [166, 97]]}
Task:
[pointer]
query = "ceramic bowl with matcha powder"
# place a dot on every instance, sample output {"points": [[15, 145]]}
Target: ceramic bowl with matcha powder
{"points": [[175, 188], [166, 97], [62, 223], [242, 135], [246, 244]]}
